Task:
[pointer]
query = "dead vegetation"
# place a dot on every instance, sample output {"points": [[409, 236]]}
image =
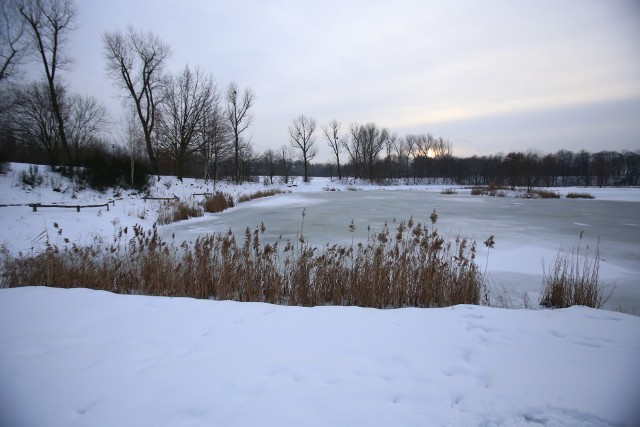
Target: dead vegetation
{"points": [[411, 265], [573, 279], [259, 194], [580, 196]]}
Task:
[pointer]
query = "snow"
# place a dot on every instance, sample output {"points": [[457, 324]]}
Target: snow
{"points": [[79, 357]]}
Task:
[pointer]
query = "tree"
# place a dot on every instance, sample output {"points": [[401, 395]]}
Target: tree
{"points": [[14, 45], [33, 121], [48, 22], [85, 118], [270, 163], [286, 159], [364, 144], [583, 165], [135, 62], [215, 134], [239, 119], [187, 97], [302, 138], [133, 139], [331, 131], [404, 149]]}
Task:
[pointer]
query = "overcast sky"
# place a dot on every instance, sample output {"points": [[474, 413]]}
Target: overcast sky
{"points": [[491, 76]]}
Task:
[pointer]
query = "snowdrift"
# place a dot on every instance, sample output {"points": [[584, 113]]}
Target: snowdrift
{"points": [[89, 358]]}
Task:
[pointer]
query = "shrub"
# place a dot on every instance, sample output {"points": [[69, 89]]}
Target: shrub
{"points": [[449, 191], [409, 266], [105, 170], [174, 211], [32, 176], [580, 196], [573, 280], [217, 202], [477, 191]]}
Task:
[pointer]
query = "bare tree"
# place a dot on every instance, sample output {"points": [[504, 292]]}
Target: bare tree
{"points": [[353, 144], [187, 97], [48, 22], [85, 118], [246, 159], [133, 138], [286, 160], [404, 149], [270, 163], [33, 121], [331, 132], [135, 62], [302, 138], [14, 45], [215, 135], [364, 144], [239, 119]]}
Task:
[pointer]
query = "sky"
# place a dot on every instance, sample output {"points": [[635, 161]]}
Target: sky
{"points": [[489, 75]]}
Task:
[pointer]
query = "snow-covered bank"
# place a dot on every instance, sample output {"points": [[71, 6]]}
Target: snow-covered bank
{"points": [[80, 357]]}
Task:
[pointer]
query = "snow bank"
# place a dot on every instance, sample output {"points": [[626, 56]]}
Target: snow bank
{"points": [[80, 357]]}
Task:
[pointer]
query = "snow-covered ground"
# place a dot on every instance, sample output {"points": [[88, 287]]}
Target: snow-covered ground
{"points": [[89, 358], [80, 357]]}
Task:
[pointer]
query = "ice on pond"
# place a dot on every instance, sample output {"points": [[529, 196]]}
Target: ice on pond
{"points": [[528, 233]]}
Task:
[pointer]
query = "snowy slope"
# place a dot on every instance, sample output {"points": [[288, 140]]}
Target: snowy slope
{"points": [[89, 358]]}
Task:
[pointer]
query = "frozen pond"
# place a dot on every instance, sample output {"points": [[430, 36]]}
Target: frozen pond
{"points": [[527, 232]]}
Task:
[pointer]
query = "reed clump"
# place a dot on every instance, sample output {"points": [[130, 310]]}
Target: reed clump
{"points": [[178, 210], [411, 265], [259, 194], [573, 279], [545, 194], [217, 202], [580, 196]]}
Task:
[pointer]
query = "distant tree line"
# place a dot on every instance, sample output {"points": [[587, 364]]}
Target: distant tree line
{"points": [[182, 124]]}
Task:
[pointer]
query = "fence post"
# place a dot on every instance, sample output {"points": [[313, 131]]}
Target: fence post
{"points": [[35, 207], [78, 208]]}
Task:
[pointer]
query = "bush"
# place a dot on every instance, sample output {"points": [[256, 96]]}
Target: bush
{"points": [[31, 177], [105, 170], [573, 280], [580, 196], [450, 191]]}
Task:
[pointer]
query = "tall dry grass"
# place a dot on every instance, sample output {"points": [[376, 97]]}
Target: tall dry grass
{"points": [[259, 194], [411, 265], [217, 202], [178, 210], [573, 279]]}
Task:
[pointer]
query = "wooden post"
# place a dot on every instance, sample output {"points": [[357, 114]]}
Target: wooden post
{"points": [[78, 208], [35, 207]]}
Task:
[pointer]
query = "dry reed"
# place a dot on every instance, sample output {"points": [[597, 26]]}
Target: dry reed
{"points": [[573, 279], [409, 266]]}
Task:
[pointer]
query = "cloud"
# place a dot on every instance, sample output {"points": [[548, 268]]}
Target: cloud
{"points": [[426, 65]]}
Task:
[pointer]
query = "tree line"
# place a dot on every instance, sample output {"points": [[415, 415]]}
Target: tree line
{"points": [[182, 123]]}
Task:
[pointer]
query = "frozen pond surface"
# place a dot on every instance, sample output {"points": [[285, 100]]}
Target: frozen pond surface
{"points": [[527, 232]]}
